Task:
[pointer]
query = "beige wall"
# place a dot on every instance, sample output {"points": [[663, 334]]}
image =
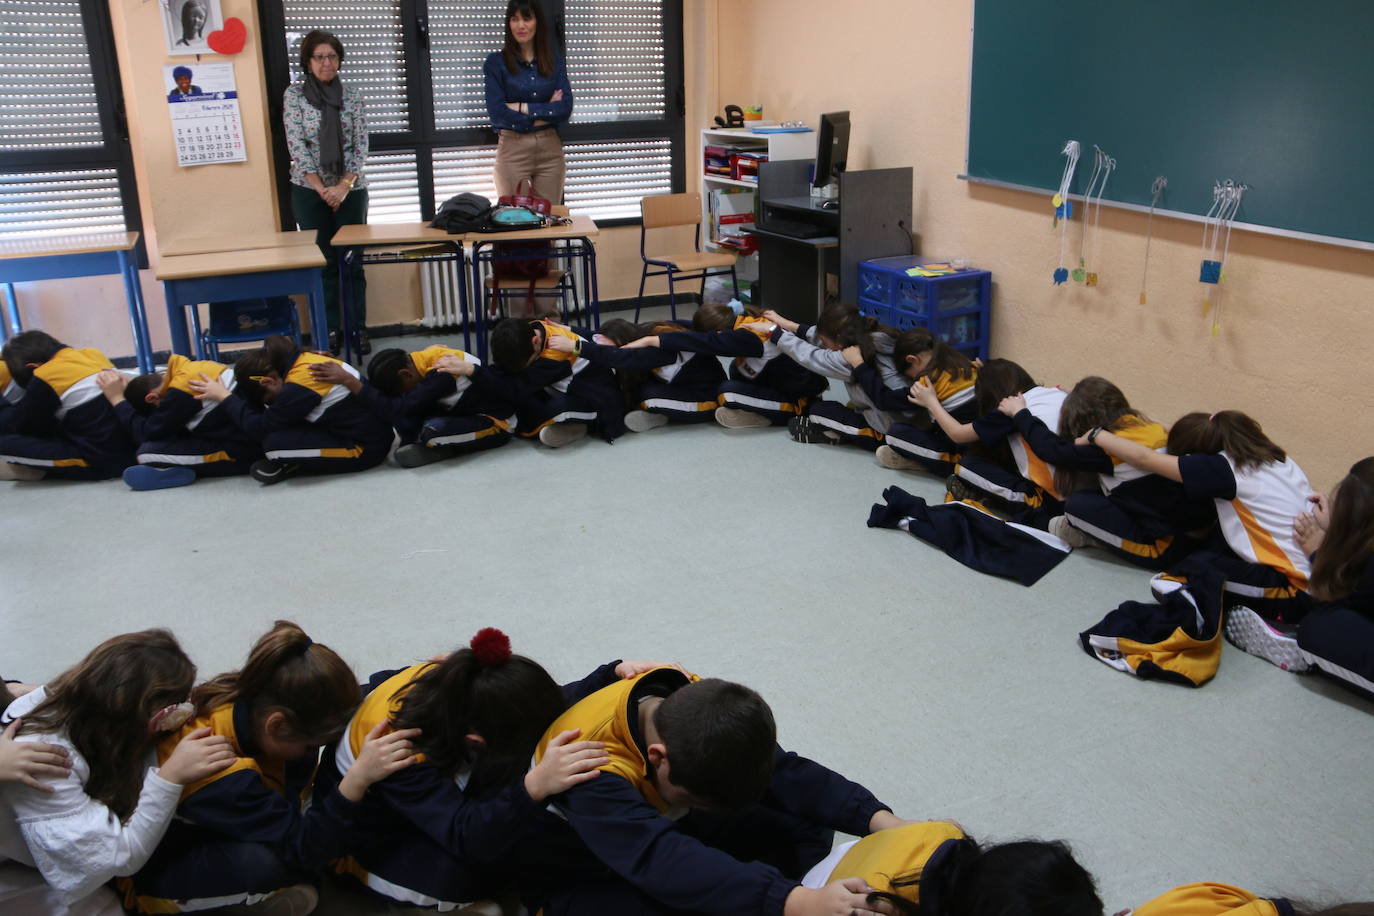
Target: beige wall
{"points": [[1296, 320]]}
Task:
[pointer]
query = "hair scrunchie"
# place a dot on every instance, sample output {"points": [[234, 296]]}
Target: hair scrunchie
{"points": [[491, 646]]}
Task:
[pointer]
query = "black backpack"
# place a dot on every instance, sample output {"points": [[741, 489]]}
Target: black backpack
{"points": [[466, 212]]}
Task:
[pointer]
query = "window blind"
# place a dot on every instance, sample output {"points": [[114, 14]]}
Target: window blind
{"points": [[461, 35], [75, 201], [47, 90], [374, 52], [393, 193], [616, 60]]}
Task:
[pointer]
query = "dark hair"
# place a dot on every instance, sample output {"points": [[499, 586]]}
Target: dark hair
{"points": [[288, 672], [104, 704], [510, 344], [1349, 543], [998, 379], [543, 54], [720, 738], [1228, 431], [28, 347], [314, 39], [1094, 401], [716, 316], [138, 389], [179, 72], [510, 704], [276, 356], [384, 370], [186, 8], [943, 357], [621, 331], [1026, 878]]}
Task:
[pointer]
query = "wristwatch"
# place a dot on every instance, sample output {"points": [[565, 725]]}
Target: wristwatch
{"points": [[1092, 435]]}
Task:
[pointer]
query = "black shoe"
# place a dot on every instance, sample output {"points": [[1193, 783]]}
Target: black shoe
{"points": [[334, 342], [801, 429], [417, 454], [364, 345], [958, 490], [266, 471]]}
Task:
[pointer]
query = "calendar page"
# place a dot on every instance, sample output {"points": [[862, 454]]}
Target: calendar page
{"points": [[204, 104]]}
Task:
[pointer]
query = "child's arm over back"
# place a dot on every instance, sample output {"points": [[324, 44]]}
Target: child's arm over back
{"points": [[739, 342], [804, 353]]}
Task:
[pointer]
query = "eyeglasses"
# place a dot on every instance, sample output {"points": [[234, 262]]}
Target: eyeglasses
{"points": [[325, 58]]}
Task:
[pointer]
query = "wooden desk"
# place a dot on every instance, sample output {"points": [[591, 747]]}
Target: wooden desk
{"points": [[212, 244], [24, 260], [191, 279]]}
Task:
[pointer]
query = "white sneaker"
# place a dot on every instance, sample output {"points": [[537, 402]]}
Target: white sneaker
{"points": [[734, 418], [1059, 527], [1249, 632], [557, 435], [297, 900], [889, 457], [641, 421], [9, 471]]}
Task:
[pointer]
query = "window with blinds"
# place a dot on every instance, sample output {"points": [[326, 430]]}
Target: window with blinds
{"points": [[419, 66], [60, 165]]}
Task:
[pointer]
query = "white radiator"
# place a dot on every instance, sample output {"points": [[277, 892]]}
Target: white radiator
{"points": [[439, 294]]}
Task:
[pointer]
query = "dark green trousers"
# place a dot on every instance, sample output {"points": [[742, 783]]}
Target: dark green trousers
{"points": [[313, 213]]}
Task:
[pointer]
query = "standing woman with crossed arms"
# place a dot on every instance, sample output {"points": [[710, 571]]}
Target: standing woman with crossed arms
{"points": [[326, 134], [528, 98]]}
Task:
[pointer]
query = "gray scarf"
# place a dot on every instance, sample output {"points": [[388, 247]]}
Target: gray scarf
{"points": [[328, 98]]}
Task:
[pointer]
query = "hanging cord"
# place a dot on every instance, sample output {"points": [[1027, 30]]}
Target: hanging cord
{"points": [[1207, 275], [1234, 194], [1079, 273], [1063, 208], [1156, 192], [1108, 166]]}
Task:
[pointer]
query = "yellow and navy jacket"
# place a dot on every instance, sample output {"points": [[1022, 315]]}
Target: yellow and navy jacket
{"points": [[63, 400], [439, 394], [956, 393], [259, 801], [618, 821], [10, 393], [305, 401], [473, 823], [912, 850], [1042, 404], [1210, 899], [758, 359], [554, 373], [178, 414], [682, 368], [1255, 508]]}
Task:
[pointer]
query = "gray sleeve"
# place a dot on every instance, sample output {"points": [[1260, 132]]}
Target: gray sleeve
{"points": [[818, 359]]}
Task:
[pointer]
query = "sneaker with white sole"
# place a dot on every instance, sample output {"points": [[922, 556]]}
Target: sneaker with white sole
{"points": [[297, 900], [804, 429], [11, 471], [734, 418], [1249, 632], [268, 471], [417, 454], [557, 435], [1059, 527], [641, 421], [146, 477], [889, 457]]}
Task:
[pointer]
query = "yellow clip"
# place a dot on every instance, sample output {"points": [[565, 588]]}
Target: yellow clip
{"points": [[1206, 307], [1216, 328]]}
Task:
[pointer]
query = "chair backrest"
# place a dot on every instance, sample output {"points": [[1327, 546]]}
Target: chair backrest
{"points": [[670, 210]]}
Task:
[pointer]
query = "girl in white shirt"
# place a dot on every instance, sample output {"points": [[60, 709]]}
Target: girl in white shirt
{"points": [[106, 816]]}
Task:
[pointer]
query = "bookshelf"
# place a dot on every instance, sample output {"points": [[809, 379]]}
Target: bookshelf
{"points": [[775, 147]]}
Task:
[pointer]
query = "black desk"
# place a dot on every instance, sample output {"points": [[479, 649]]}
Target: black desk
{"points": [[873, 220]]}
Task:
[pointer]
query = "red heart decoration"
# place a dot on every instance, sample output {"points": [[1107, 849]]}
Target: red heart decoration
{"points": [[230, 39]]}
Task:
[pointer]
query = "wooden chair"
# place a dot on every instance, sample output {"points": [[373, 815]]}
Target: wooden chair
{"points": [[664, 211]]}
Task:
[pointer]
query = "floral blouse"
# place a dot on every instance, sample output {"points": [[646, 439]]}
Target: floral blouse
{"points": [[302, 122]]}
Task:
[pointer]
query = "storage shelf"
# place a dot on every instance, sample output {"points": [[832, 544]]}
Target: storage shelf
{"points": [[735, 182]]}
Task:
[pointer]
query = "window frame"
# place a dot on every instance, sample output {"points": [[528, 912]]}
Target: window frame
{"points": [[115, 152], [424, 140]]}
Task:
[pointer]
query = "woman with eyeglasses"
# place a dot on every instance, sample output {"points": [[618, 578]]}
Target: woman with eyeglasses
{"points": [[326, 134]]}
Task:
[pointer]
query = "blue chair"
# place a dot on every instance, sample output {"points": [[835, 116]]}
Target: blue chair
{"points": [[244, 320]]}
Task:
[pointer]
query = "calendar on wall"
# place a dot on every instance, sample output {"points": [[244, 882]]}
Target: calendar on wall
{"points": [[204, 104]]}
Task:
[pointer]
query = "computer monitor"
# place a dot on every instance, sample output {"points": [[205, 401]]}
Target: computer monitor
{"points": [[832, 148]]}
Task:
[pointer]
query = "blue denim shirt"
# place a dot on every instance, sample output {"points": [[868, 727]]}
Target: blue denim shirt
{"points": [[526, 85]]}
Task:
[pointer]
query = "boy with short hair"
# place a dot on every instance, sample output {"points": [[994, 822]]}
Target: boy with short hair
{"points": [[61, 427], [557, 394], [698, 810]]}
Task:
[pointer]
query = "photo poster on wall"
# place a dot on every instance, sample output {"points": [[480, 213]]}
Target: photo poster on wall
{"points": [[188, 24], [204, 105]]}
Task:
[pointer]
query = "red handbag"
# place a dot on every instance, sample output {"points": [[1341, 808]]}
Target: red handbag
{"points": [[525, 267]]}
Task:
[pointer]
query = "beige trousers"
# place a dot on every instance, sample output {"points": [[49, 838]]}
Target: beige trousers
{"points": [[537, 156]]}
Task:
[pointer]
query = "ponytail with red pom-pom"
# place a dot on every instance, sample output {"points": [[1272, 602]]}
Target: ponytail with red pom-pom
{"points": [[491, 647]]}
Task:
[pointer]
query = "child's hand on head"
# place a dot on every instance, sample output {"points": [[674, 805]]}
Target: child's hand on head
{"points": [[112, 383], [1013, 404], [384, 752], [641, 343], [784, 323], [922, 393], [566, 763], [627, 670], [331, 372], [198, 755], [208, 389], [455, 366], [560, 343], [29, 761]]}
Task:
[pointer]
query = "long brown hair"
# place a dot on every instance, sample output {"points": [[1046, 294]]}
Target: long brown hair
{"points": [[1349, 542], [1229, 431], [104, 704], [943, 357], [1094, 401], [276, 356], [290, 673], [543, 52]]}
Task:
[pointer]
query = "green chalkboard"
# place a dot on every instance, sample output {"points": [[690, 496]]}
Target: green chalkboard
{"points": [[1275, 94]]}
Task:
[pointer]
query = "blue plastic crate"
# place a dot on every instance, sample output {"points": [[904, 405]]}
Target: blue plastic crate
{"points": [[955, 306]]}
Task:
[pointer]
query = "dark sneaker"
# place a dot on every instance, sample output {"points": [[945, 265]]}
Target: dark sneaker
{"points": [[957, 490], [267, 471], [417, 454], [147, 477], [802, 429], [1249, 632]]}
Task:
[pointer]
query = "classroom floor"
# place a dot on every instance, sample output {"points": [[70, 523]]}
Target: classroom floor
{"points": [[744, 555]]}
